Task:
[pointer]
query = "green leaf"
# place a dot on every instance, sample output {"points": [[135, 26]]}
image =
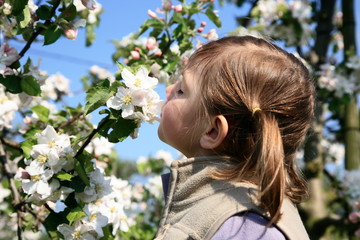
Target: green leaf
{"points": [[97, 97], [77, 184], [122, 128], [213, 17], [74, 215], [64, 176], [18, 6], [42, 112], [12, 83], [69, 13], [82, 173], [25, 17], [54, 219], [155, 23], [52, 34], [44, 12], [26, 146], [30, 85]]}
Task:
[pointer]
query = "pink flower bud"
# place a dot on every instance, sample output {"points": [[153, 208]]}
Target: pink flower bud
{"points": [[71, 33], [167, 4], [203, 23], [158, 53], [151, 43], [354, 217], [152, 14], [137, 49], [200, 30], [89, 4], [178, 8], [135, 55]]}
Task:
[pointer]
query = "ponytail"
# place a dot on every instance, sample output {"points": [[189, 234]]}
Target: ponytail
{"points": [[269, 158]]}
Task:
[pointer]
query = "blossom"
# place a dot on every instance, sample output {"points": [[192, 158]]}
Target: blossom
{"points": [[8, 106], [100, 146], [90, 4], [178, 8], [38, 181], [8, 55], [99, 187], [212, 35], [55, 85], [167, 4], [152, 14], [95, 219], [102, 73], [154, 185], [126, 99], [135, 55], [78, 231], [140, 80], [300, 10]]}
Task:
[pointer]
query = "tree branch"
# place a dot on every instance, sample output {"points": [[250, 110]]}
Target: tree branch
{"points": [[72, 120], [35, 34], [91, 135]]}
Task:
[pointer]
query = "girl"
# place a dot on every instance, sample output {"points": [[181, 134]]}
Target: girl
{"points": [[239, 114]]}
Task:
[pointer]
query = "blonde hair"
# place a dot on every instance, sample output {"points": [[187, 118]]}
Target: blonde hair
{"points": [[238, 75]]}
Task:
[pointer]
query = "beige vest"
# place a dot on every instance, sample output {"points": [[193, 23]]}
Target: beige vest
{"points": [[197, 205]]}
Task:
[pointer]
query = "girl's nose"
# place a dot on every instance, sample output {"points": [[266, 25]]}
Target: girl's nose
{"points": [[169, 91]]}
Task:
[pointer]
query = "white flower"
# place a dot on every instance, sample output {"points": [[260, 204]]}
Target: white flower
{"points": [[78, 231], [102, 73], [166, 156], [32, 6], [153, 106], [269, 10], [300, 10], [212, 35], [126, 99], [95, 219], [99, 187], [38, 181], [89, 4], [100, 146], [154, 186], [8, 107], [8, 56], [353, 62], [54, 83], [140, 80]]}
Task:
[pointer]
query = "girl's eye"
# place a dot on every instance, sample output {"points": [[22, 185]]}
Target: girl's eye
{"points": [[179, 92]]}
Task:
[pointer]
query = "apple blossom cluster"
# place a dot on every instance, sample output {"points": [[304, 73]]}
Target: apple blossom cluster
{"points": [[9, 105], [338, 80], [137, 100], [52, 154], [271, 12]]}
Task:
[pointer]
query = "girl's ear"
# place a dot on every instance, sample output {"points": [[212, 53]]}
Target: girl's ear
{"points": [[215, 134]]}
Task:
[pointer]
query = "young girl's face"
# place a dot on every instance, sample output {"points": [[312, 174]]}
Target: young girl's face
{"points": [[178, 116]]}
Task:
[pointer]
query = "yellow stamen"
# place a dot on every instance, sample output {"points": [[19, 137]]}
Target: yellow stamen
{"points": [[77, 235], [35, 178], [42, 159], [4, 99], [127, 99], [137, 82]]}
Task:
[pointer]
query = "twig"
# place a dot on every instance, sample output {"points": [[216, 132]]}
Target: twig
{"points": [[73, 119], [35, 34], [91, 135]]}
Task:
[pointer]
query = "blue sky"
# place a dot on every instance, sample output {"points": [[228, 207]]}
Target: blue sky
{"points": [[73, 59]]}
